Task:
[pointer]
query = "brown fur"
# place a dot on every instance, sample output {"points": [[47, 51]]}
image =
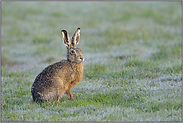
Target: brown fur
{"points": [[60, 77]]}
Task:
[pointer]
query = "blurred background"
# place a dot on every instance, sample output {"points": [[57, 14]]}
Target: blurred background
{"points": [[31, 30]]}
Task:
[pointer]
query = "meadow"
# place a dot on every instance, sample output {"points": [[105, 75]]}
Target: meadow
{"points": [[132, 68]]}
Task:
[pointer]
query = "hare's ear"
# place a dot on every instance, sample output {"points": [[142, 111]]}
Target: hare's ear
{"points": [[66, 39], [75, 37]]}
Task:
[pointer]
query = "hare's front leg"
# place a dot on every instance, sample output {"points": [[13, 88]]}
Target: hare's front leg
{"points": [[59, 94], [69, 94]]}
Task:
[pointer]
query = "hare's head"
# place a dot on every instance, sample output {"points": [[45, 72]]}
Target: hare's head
{"points": [[73, 53]]}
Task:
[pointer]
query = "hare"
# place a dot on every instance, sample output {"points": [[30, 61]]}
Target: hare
{"points": [[60, 77]]}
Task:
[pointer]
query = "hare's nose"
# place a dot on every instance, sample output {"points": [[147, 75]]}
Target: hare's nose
{"points": [[82, 59]]}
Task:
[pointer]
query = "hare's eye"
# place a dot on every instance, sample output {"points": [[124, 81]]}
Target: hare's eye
{"points": [[72, 52]]}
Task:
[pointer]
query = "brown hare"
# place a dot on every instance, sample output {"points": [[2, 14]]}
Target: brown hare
{"points": [[60, 77]]}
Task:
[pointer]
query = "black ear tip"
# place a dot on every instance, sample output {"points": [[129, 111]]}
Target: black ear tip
{"points": [[63, 31]]}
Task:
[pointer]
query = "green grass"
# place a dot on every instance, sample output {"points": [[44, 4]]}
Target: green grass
{"points": [[132, 68]]}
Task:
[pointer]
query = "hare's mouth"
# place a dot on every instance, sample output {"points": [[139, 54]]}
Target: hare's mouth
{"points": [[77, 61], [80, 60]]}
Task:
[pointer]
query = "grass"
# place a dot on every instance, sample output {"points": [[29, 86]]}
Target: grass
{"points": [[132, 68]]}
